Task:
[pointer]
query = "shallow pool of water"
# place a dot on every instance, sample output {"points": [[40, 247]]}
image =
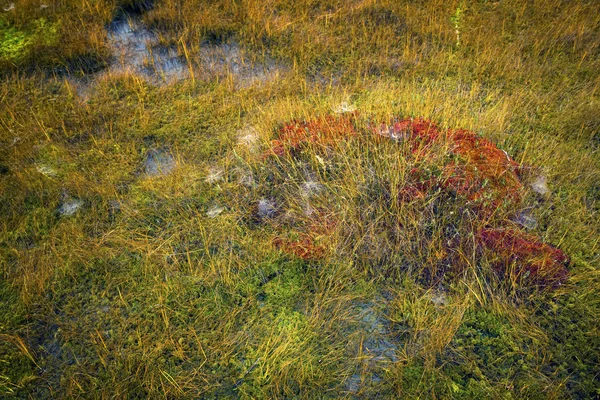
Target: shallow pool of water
{"points": [[136, 49]]}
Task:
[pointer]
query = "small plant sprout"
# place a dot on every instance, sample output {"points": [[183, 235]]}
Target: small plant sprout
{"points": [[456, 19]]}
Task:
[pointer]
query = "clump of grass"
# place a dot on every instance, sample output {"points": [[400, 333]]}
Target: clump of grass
{"points": [[477, 175]]}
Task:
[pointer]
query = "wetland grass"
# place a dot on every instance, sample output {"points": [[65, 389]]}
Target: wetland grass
{"points": [[331, 199]]}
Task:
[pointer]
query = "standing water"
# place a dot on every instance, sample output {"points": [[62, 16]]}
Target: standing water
{"points": [[136, 50]]}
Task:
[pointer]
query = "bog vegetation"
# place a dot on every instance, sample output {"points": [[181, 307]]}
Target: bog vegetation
{"points": [[299, 199]]}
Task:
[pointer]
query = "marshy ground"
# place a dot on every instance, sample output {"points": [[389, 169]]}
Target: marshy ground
{"points": [[299, 199]]}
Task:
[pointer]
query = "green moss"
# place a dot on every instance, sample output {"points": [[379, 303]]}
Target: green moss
{"points": [[16, 44], [491, 354], [572, 326], [17, 364]]}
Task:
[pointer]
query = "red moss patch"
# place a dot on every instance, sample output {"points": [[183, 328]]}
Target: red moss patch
{"points": [[418, 187], [419, 132], [479, 171], [309, 243], [326, 131], [305, 247], [534, 259], [484, 174]]}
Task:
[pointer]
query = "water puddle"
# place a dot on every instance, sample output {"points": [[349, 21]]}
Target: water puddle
{"points": [[49, 345], [266, 209], [158, 162], [526, 219], [136, 50], [376, 347], [215, 211], [70, 207], [230, 59], [376, 344], [540, 185]]}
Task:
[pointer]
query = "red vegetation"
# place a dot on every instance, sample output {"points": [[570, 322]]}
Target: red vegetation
{"points": [[324, 131], [308, 245], [305, 247], [418, 187], [484, 174], [481, 172], [537, 260], [420, 131], [477, 170]]}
